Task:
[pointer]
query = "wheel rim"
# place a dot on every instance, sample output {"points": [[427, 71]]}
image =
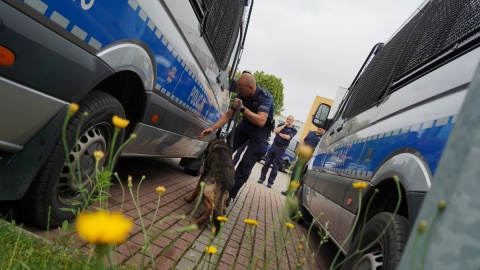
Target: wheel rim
{"points": [[96, 138], [370, 260]]}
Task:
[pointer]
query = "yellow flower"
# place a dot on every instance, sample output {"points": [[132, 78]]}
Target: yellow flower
{"points": [[103, 228], [211, 250], [441, 205], [289, 225], [129, 181], [252, 222], [98, 155], [222, 219], [300, 246], [294, 185], [72, 109], [120, 122], [360, 185], [305, 151], [422, 226], [160, 190]]}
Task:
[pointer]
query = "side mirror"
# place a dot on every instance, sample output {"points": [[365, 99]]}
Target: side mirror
{"points": [[320, 118]]}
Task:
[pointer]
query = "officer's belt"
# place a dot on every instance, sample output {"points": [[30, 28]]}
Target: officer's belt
{"points": [[279, 145]]}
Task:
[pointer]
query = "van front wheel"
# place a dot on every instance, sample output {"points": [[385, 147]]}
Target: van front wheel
{"points": [[385, 253], [55, 193]]}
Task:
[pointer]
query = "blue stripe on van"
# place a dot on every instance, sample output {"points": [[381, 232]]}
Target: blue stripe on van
{"points": [[99, 26], [363, 156]]}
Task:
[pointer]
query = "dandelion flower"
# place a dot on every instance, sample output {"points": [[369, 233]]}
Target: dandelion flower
{"points": [[103, 228], [72, 109], [211, 249], [294, 185], [305, 151], [160, 190], [98, 155], [360, 185], [120, 122], [289, 225], [422, 226], [441, 205], [252, 222], [129, 181], [222, 219]]}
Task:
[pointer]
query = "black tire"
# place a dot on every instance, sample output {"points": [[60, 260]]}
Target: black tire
{"points": [[283, 166], [385, 253], [306, 218], [199, 170], [53, 189]]}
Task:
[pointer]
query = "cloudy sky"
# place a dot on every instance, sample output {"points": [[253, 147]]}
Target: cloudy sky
{"points": [[317, 46]]}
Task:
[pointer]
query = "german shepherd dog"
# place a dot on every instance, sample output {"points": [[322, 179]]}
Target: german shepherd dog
{"points": [[219, 177]]}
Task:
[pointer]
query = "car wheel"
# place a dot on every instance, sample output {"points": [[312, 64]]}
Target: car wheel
{"points": [[54, 190], [283, 166], [305, 218], [197, 171], [385, 253]]}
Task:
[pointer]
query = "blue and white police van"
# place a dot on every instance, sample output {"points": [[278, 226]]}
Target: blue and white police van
{"points": [[394, 120], [166, 65]]}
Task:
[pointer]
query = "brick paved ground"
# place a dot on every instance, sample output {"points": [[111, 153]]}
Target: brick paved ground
{"points": [[186, 250]]}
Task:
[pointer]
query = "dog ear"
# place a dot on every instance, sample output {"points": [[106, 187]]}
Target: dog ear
{"points": [[219, 132]]}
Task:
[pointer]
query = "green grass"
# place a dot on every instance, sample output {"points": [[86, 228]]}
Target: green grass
{"points": [[21, 250]]}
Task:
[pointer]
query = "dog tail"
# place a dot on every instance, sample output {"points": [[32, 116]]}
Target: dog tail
{"points": [[218, 211]]}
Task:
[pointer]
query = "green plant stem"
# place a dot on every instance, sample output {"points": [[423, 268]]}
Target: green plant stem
{"points": [[427, 238], [136, 203], [383, 231], [350, 232], [414, 251], [112, 147], [123, 190]]}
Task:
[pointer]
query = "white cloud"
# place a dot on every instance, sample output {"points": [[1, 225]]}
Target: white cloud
{"points": [[316, 46]]}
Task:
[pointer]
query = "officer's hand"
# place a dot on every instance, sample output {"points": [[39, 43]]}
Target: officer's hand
{"points": [[237, 104], [205, 132], [240, 104]]}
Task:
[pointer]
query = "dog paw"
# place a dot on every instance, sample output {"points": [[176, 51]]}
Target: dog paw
{"points": [[188, 199]]}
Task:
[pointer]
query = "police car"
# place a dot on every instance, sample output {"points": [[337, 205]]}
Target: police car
{"points": [[393, 123]]}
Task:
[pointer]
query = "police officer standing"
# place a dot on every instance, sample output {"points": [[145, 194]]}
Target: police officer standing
{"points": [[285, 132], [256, 105], [312, 139]]}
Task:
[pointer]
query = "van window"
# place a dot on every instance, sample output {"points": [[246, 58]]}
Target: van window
{"points": [[376, 77], [414, 46], [221, 28]]}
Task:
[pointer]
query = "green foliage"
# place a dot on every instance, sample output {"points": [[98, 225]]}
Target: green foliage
{"points": [[23, 251], [272, 84]]}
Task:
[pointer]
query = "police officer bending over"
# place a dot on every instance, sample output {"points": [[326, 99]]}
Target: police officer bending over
{"points": [[256, 105]]}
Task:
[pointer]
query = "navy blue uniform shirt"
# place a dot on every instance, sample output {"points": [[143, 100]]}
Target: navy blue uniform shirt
{"points": [[262, 101], [286, 130], [312, 139]]}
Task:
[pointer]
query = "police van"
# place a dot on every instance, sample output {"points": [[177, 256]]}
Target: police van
{"points": [[167, 66], [394, 121]]}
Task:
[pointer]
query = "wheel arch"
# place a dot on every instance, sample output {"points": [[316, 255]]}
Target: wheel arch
{"points": [[414, 181], [127, 88], [135, 73]]}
